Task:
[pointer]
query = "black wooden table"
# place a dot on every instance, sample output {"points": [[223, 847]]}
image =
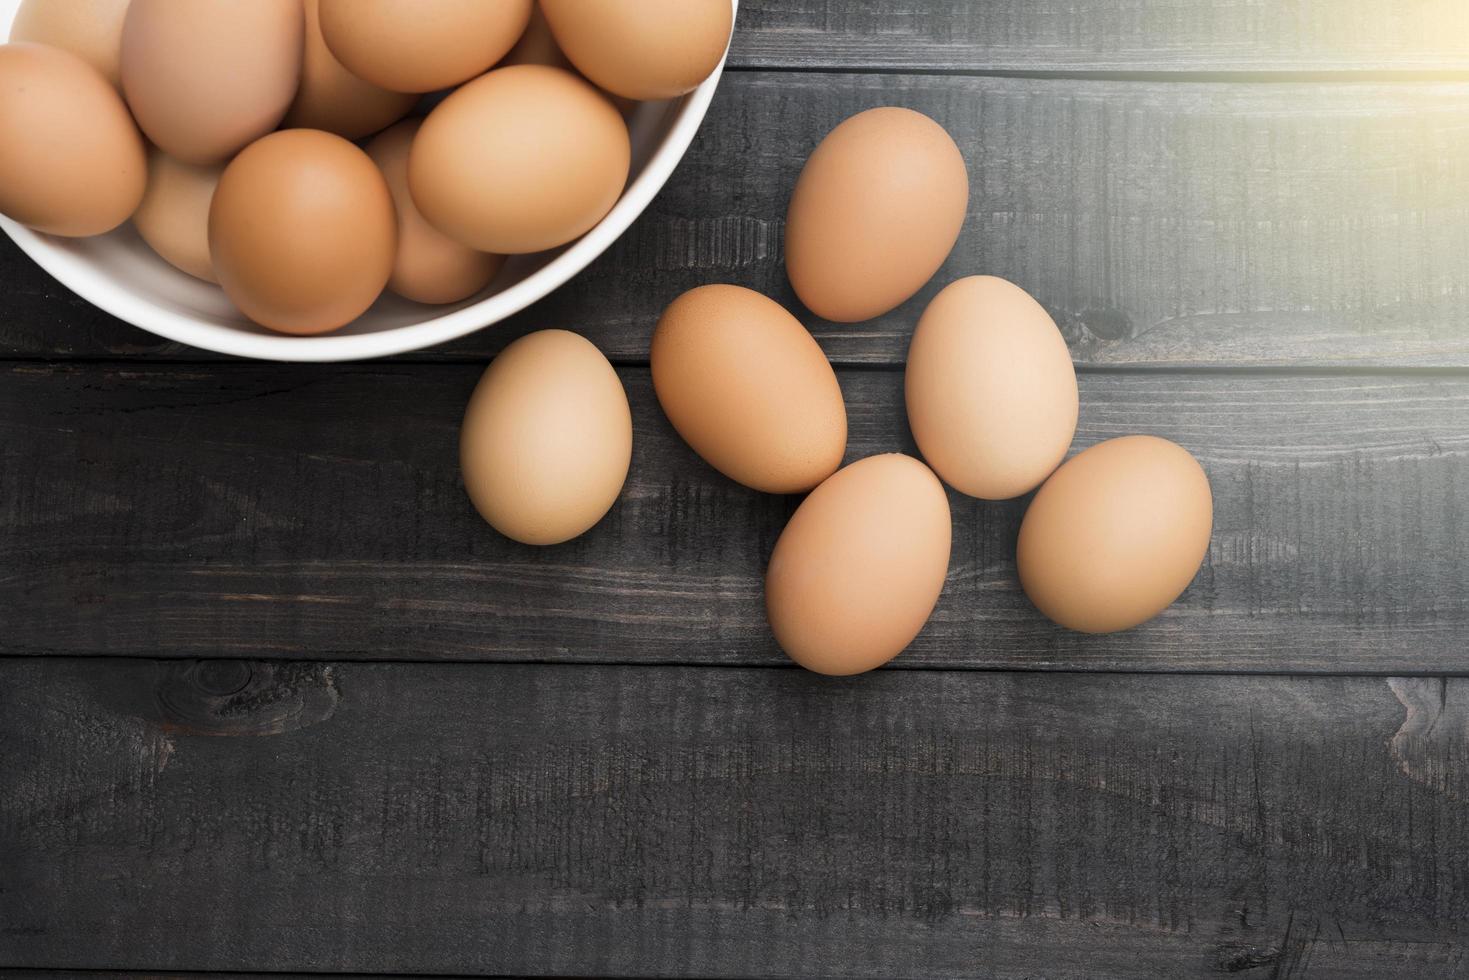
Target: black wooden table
{"points": [[273, 699]]}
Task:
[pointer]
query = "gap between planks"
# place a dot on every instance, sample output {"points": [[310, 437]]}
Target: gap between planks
{"points": [[1265, 77], [344, 657], [456, 360]]}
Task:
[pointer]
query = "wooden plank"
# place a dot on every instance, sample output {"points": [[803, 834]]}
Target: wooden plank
{"points": [[57, 974], [1162, 224], [1105, 35], [264, 510], [689, 822]]}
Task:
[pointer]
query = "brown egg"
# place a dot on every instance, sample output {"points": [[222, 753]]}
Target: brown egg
{"points": [[421, 45], [205, 79], [547, 438], [536, 46], [174, 215], [859, 568], [1116, 534], [642, 49], [302, 231], [89, 29], [334, 99], [875, 212], [520, 160], [990, 389], [749, 389], [430, 266], [71, 160]]}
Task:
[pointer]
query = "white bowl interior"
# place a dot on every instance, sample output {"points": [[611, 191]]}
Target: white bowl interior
{"points": [[119, 273]]}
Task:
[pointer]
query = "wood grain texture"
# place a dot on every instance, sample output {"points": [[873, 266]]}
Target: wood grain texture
{"points": [[263, 510], [1105, 35], [689, 822], [1161, 224], [68, 974]]}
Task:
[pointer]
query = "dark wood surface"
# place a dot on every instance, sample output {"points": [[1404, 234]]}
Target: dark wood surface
{"points": [[274, 510], [1114, 36], [692, 822], [274, 701]]}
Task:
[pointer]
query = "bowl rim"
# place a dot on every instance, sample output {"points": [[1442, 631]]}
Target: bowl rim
{"points": [[75, 271]]}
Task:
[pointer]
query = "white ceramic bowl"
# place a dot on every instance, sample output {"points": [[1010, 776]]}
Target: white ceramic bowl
{"points": [[120, 274]]}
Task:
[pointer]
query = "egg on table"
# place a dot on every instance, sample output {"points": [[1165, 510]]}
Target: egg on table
{"points": [[302, 231], [521, 159], [990, 389], [749, 389], [71, 161], [421, 45], [547, 439], [174, 215], [1116, 534], [429, 266], [875, 211], [642, 49], [89, 29], [332, 98], [205, 79], [859, 568]]}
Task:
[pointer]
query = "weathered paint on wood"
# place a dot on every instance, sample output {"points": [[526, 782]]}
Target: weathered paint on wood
{"points": [[737, 823], [1106, 35], [317, 511], [1221, 225]]}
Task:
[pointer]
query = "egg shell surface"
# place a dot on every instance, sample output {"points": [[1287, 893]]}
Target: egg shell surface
{"points": [[1116, 534], [990, 389], [174, 216], [429, 266], [89, 29], [332, 98], [521, 159], [421, 45], [858, 569], [71, 161], [642, 49], [206, 77], [302, 231], [547, 439], [874, 214], [749, 389]]}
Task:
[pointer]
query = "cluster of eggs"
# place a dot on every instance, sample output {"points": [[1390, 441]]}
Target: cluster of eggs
{"points": [[166, 112], [1112, 537]]}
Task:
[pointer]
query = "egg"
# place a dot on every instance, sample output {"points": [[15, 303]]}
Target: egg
{"points": [[519, 160], [302, 231], [71, 160], [537, 46], [749, 389], [1116, 534], [89, 29], [421, 45], [547, 438], [334, 99], [859, 568], [642, 49], [991, 392], [429, 267], [205, 79], [174, 216], [875, 211]]}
